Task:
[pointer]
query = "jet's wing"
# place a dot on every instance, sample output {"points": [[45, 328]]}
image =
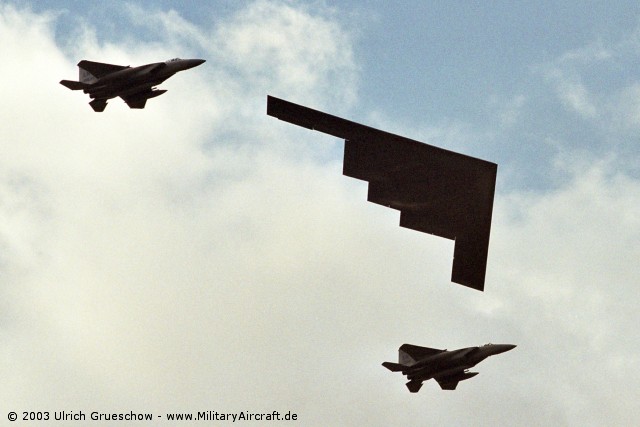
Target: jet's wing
{"points": [[436, 191], [99, 69]]}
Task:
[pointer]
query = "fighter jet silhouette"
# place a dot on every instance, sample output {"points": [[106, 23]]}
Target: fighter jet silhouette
{"points": [[134, 85], [447, 367]]}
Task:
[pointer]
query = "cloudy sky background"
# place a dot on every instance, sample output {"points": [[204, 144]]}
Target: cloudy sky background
{"points": [[199, 255]]}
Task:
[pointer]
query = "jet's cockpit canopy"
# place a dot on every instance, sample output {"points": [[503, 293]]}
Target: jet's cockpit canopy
{"points": [[173, 60]]}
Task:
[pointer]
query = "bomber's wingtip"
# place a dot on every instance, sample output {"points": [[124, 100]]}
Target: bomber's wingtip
{"points": [[461, 278]]}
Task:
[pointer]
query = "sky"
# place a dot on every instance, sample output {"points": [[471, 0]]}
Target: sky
{"points": [[199, 255]]}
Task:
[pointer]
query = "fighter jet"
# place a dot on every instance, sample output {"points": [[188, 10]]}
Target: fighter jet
{"points": [[447, 367], [133, 84], [437, 191]]}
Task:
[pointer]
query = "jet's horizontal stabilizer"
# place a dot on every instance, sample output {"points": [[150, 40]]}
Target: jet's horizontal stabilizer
{"points": [[73, 85], [394, 367]]}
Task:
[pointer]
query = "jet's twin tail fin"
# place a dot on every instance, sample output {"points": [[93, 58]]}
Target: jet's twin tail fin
{"points": [[84, 75], [91, 71], [409, 354]]}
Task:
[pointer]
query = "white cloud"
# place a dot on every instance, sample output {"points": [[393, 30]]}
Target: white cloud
{"points": [[174, 28], [298, 55], [510, 112], [567, 260], [128, 265], [597, 84], [590, 54], [573, 93]]}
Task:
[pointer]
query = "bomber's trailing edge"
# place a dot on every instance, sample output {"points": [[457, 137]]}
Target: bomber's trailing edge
{"points": [[437, 191], [448, 368], [133, 84]]}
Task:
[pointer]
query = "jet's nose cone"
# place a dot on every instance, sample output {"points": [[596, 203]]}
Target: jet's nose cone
{"points": [[501, 348], [190, 63]]}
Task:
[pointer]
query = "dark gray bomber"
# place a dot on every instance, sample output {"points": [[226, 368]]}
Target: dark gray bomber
{"points": [[437, 191], [448, 368], [133, 84]]}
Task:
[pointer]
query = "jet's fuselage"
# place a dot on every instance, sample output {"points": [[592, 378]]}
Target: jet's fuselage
{"points": [[133, 79], [448, 368], [133, 84], [446, 362]]}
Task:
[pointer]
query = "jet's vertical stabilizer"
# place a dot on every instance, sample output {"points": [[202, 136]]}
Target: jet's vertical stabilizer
{"points": [[85, 76], [409, 354], [405, 358]]}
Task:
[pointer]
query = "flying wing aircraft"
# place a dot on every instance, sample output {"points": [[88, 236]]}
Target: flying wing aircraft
{"points": [[448, 368], [437, 191], [133, 84]]}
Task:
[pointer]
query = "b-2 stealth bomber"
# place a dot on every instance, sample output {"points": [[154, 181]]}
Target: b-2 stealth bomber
{"points": [[133, 84], [448, 368], [437, 191]]}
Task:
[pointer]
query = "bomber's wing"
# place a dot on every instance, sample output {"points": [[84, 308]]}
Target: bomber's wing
{"points": [[100, 69], [436, 191]]}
